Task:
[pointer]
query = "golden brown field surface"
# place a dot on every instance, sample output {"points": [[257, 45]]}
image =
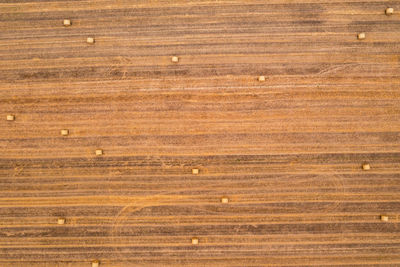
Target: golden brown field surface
{"points": [[199, 133]]}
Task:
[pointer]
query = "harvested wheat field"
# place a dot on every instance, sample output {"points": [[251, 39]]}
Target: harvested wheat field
{"points": [[199, 133]]}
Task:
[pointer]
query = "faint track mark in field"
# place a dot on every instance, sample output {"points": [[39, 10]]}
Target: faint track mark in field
{"points": [[18, 170], [129, 211], [117, 68], [335, 183], [335, 68], [118, 224]]}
